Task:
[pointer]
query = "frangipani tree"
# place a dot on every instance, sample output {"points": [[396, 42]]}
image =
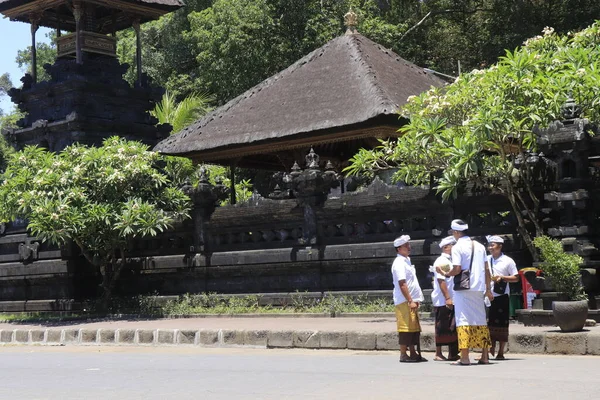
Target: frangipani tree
{"points": [[99, 198], [473, 130]]}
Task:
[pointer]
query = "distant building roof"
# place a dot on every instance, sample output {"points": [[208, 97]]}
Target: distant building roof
{"points": [[339, 92]]}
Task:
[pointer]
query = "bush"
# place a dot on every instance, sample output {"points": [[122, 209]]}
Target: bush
{"points": [[562, 268]]}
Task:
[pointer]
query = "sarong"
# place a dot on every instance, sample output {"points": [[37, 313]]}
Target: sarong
{"points": [[471, 322], [498, 318], [445, 326], [407, 322]]}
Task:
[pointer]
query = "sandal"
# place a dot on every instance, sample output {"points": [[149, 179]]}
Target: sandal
{"points": [[500, 358], [407, 360], [460, 363], [481, 362]]}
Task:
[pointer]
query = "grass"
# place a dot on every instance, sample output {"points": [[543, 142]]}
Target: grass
{"points": [[214, 304]]}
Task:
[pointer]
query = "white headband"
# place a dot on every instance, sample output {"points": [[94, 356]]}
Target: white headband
{"points": [[401, 240], [447, 240], [459, 225], [494, 239]]}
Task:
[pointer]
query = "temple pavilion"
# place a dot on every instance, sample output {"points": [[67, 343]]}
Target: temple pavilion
{"points": [[341, 97]]}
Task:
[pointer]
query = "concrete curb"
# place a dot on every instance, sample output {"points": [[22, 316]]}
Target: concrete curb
{"points": [[579, 343]]}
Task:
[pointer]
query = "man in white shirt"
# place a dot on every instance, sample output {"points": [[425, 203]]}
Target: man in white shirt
{"points": [[407, 297], [443, 308], [503, 270], [472, 283]]}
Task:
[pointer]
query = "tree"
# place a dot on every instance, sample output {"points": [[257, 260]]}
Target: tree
{"points": [[99, 198], [235, 42], [5, 84], [478, 130], [167, 57], [5, 152], [45, 53]]}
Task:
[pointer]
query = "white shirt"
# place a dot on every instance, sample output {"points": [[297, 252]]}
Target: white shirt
{"points": [[505, 266], [461, 255], [437, 297], [403, 270]]}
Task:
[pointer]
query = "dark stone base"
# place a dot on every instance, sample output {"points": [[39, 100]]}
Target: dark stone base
{"points": [[41, 306], [546, 317]]}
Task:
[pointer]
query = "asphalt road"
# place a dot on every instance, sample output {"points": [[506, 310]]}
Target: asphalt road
{"points": [[193, 373]]}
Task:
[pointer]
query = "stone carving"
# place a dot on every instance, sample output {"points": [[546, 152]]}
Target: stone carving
{"points": [[28, 252], [570, 110], [310, 188], [205, 198]]}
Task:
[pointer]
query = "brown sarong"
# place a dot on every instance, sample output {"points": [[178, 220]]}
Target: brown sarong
{"points": [[445, 326], [498, 318]]}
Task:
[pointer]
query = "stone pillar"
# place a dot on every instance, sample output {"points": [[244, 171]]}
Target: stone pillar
{"points": [[138, 50]]}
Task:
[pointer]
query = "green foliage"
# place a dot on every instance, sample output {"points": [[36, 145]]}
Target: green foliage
{"points": [[5, 151], [5, 84], [225, 47], [183, 113], [211, 303], [473, 130], [45, 53], [100, 198], [235, 41], [9, 121], [562, 268]]}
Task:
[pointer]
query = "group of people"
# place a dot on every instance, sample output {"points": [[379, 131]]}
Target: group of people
{"points": [[466, 279]]}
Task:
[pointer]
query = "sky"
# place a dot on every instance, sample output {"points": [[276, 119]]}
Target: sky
{"points": [[14, 36]]}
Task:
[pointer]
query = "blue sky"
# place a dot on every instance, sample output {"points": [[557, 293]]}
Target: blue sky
{"points": [[14, 36]]}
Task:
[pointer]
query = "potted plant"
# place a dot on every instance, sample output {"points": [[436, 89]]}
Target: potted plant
{"points": [[563, 269]]}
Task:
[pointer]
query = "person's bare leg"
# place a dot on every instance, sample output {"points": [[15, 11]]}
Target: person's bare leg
{"points": [[500, 355], [485, 359], [438, 354], [412, 352], [464, 357], [493, 348], [403, 355]]}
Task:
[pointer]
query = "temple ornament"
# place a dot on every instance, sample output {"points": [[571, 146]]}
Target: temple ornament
{"points": [[351, 22]]}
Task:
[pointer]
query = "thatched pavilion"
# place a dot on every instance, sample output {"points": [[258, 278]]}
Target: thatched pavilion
{"points": [[341, 97]]}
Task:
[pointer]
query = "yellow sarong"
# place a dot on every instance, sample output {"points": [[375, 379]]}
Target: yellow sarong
{"points": [[407, 320], [473, 337]]}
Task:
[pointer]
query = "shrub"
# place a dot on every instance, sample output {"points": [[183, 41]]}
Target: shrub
{"points": [[562, 268]]}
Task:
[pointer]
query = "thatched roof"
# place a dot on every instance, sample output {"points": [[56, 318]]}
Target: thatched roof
{"points": [[349, 88], [57, 14]]}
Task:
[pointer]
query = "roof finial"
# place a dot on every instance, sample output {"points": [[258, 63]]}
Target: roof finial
{"points": [[351, 22]]}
